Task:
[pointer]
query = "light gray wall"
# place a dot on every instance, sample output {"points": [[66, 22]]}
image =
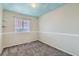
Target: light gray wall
{"points": [[10, 37], [1, 15], [64, 20], [60, 28]]}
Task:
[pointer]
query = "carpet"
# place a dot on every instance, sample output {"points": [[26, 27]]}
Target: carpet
{"points": [[35, 48]]}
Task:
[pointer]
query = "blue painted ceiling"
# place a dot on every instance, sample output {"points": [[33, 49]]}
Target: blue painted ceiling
{"points": [[27, 9]]}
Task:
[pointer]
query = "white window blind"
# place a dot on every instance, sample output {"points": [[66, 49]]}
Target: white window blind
{"points": [[22, 25]]}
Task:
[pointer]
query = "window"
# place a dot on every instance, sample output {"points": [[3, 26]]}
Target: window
{"points": [[22, 25]]}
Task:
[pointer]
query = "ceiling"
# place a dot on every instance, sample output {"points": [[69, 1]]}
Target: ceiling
{"points": [[27, 9]]}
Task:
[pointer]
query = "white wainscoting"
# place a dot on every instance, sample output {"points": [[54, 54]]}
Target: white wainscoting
{"points": [[15, 38], [63, 41]]}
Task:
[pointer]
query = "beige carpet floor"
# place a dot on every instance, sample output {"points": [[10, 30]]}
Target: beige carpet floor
{"points": [[35, 48]]}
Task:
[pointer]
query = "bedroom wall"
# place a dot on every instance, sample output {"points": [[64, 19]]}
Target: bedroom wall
{"points": [[60, 28], [10, 37], [1, 15]]}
